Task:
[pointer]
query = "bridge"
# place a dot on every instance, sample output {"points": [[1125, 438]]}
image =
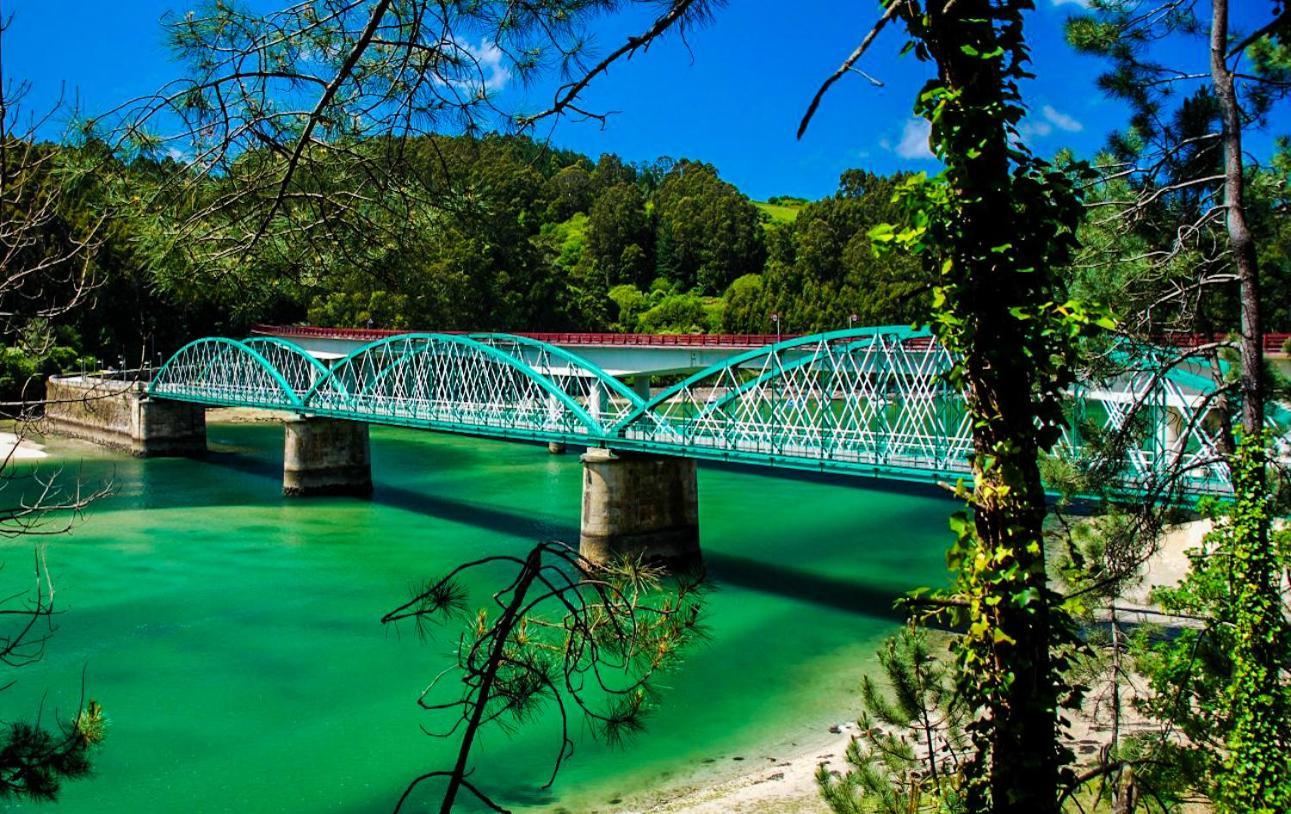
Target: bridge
{"points": [[870, 402]]}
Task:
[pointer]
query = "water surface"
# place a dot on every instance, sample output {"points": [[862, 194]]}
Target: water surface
{"points": [[232, 635]]}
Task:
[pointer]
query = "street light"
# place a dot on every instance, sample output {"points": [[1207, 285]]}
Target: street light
{"points": [[851, 321], [775, 386]]}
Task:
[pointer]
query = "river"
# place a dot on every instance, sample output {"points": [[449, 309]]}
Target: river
{"points": [[232, 635]]}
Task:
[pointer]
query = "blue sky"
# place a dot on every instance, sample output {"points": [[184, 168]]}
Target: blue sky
{"points": [[732, 94]]}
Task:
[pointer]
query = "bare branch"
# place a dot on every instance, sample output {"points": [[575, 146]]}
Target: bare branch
{"points": [[884, 19]]}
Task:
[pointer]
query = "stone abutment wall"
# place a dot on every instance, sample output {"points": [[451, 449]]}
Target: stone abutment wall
{"points": [[119, 414]]}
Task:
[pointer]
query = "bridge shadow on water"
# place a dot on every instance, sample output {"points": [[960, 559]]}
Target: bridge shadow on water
{"points": [[724, 570], [496, 520], [869, 483], [847, 595]]}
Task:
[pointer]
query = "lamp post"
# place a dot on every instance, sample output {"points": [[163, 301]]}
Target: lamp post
{"points": [[851, 321], [775, 387]]}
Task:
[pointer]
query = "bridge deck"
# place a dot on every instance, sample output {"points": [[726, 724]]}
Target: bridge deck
{"points": [[866, 401]]}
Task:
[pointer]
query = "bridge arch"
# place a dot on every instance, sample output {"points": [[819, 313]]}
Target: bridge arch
{"points": [[1167, 405], [864, 401], [224, 372], [856, 398], [609, 400], [298, 367], [449, 381]]}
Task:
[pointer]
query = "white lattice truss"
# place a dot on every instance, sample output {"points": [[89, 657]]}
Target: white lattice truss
{"points": [[865, 401]]}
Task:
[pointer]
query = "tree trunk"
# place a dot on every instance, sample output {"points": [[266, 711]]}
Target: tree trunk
{"points": [[1256, 771], [484, 694], [1023, 776], [1239, 234]]}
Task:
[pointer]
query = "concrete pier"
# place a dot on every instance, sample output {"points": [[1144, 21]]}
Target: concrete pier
{"points": [[325, 456], [119, 414], [639, 505], [641, 386], [555, 448]]}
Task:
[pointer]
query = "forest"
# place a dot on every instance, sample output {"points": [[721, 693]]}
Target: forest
{"points": [[522, 236], [526, 237]]}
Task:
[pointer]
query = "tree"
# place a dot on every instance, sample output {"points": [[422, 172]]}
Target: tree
{"points": [[709, 233], [911, 745], [1194, 167], [744, 311], [1191, 671], [568, 192], [45, 272], [619, 235], [562, 631], [631, 304], [1000, 307], [611, 171], [677, 313], [36, 759], [822, 273], [307, 117]]}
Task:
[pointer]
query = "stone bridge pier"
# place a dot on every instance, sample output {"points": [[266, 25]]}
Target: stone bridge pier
{"points": [[638, 505], [326, 456]]}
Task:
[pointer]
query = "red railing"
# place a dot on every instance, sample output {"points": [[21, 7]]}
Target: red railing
{"points": [[1273, 342], [550, 337]]}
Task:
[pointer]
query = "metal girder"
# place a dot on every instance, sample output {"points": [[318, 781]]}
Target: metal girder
{"points": [[866, 401], [299, 369], [224, 372], [860, 399], [451, 380]]}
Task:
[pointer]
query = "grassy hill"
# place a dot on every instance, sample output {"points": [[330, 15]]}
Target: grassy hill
{"points": [[778, 212]]}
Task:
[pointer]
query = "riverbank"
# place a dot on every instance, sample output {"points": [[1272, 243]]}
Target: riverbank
{"points": [[775, 786], [244, 415], [788, 786]]}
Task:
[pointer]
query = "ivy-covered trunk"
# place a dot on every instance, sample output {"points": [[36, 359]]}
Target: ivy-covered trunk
{"points": [[1258, 771], [994, 225]]}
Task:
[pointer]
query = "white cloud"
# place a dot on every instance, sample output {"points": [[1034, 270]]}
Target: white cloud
{"points": [[1049, 119], [1061, 120], [1081, 3], [476, 69], [1030, 128], [914, 140], [176, 154], [489, 58]]}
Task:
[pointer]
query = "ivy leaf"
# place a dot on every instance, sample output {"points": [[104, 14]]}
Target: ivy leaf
{"points": [[1025, 597]]}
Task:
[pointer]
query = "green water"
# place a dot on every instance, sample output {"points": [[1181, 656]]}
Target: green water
{"points": [[233, 636]]}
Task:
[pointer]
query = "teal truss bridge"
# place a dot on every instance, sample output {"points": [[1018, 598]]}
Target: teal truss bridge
{"points": [[867, 401]]}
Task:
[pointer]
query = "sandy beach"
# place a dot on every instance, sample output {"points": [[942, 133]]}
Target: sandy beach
{"points": [[784, 787], [244, 415], [14, 448]]}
